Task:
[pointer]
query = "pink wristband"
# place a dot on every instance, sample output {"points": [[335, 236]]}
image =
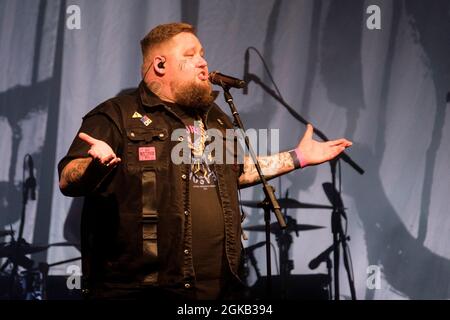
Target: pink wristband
{"points": [[300, 158]]}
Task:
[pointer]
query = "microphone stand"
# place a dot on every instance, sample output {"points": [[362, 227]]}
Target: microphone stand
{"points": [[254, 264], [337, 212], [27, 187], [329, 267], [270, 202], [339, 237], [325, 256]]}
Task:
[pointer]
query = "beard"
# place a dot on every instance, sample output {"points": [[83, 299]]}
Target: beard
{"points": [[192, 95]]}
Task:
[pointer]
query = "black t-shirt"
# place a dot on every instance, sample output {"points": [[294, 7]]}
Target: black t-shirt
{"points": [[207, 218]]}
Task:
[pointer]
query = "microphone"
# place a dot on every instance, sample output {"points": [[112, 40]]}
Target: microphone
{"points": [[31, 181], [222, 80], [314, 263], [246, 68]]}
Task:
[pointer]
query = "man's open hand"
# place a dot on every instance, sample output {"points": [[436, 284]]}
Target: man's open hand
{"points": [[100, 151], [315, 152]]}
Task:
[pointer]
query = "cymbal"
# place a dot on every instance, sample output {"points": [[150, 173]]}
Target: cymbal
{"points": [[287, 203], [20, 249], [64, 244], [275, 228], [22, 260]]}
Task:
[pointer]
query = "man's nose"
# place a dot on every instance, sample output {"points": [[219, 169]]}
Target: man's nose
{"points": [[202, 63]]}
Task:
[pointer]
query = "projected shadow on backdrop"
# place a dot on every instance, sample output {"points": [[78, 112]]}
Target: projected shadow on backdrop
{"points": [[17, 105], [34, 102], [26, 102], [408, 265], [389, 243]]}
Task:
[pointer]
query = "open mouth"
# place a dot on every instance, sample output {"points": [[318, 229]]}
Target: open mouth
{"points": [[203, 76]]}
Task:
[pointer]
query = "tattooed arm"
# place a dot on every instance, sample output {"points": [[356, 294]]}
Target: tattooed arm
{"points": [[308, 152], [271, 166], [73, 180], [82, 175]]}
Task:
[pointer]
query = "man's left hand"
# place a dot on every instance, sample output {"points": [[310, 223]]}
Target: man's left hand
{"points": [[314, 152]]}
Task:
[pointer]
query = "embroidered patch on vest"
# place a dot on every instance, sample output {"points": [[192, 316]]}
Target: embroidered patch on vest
{"points": [[147, 153]]}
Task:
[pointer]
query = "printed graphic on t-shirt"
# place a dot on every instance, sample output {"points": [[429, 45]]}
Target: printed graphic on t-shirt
{"points": [[201, 174]]}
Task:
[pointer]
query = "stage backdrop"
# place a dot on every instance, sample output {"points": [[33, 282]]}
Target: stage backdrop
{"points": [[380, 82]]}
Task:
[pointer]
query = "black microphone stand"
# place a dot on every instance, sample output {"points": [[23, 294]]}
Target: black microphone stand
{"points": [[325, 256], [336, 230], [254, 263], [28, 188], [270, 202], [339, 237], [285, 240]]}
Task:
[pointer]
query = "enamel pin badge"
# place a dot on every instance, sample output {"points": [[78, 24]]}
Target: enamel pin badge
{"points": [[146, 121]]}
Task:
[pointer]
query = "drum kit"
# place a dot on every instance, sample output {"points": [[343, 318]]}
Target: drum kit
{"points": [[284, 239], [20, 279]]}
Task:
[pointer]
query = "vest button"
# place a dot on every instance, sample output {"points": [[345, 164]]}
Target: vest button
{"points": [[132, 134], [161, 135], [180, 138], [187, 285], [183, 176], [186, 252], [186, 212]]}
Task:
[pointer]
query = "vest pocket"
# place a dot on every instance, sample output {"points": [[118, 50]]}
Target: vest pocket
{"points": [[147, 148]]}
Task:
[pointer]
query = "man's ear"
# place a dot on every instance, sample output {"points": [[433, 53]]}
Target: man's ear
{"points": [[159, 64]]}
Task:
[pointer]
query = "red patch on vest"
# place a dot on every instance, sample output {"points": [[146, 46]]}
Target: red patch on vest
{"points": [[147, 153]]}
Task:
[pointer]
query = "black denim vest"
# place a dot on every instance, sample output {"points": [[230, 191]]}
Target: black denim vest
{"points": [[136, 228]]}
